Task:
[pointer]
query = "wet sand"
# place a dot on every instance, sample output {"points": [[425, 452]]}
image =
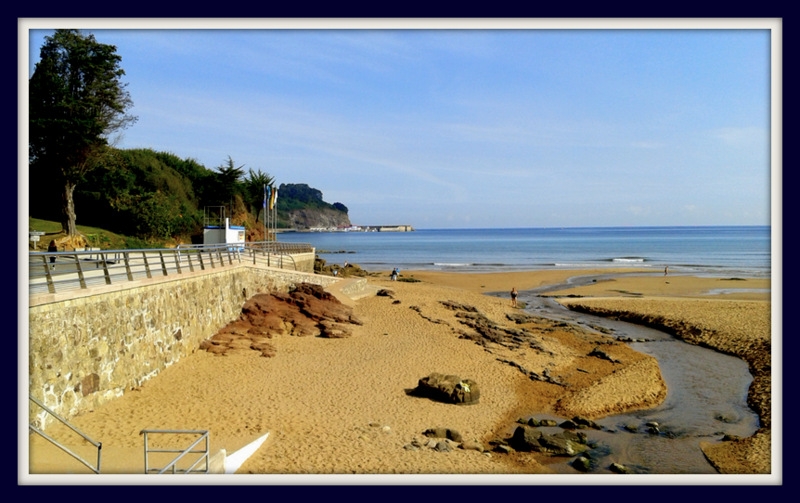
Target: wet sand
{"points": [[735, 323], [340, 406]]}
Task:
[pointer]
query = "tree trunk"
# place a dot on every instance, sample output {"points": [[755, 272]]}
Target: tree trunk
{"points": [[68, 210]]}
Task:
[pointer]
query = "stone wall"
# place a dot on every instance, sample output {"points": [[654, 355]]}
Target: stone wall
{"points": [[86, 349]]}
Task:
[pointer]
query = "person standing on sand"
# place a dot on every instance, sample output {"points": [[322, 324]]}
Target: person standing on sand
{"points": [[514, 296], [665, 270], [394, 274]]}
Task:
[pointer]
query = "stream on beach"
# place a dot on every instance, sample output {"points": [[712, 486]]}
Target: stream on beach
{"points": [[706, 398]]}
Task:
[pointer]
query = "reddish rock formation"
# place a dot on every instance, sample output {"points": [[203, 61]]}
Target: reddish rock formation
{"points": [[308, 310]]}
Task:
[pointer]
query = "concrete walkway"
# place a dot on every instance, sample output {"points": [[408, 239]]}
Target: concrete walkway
{"points": [[349, 290]]}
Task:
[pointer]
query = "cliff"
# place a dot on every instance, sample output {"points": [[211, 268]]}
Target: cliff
{"points": [[307, 218]]}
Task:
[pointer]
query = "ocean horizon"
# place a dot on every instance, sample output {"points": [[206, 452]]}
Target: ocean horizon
{"points": [[704, 250]]}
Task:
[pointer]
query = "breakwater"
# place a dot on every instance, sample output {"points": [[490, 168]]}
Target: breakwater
{"points": [[87, 348]]}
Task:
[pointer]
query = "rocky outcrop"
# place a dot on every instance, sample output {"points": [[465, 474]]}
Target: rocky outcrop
{"points": [[309, 218], [346, 270], [306, 311]]}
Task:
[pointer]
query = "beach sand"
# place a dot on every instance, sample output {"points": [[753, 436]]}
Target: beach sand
{"points": [[341, 406]]}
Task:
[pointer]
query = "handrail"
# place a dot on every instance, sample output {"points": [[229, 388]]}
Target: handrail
{"points": [[55, 442], [52, 272], [266, 249], [173, 465]]}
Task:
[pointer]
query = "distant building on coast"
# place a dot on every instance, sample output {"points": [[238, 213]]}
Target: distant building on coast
{"points": [[340, 228], [389, 228], [367, 228]]}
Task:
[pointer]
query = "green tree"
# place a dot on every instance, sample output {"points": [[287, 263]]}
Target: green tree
{"points": [[143, 193], [229, 181], [76, 100], [254, 189]]}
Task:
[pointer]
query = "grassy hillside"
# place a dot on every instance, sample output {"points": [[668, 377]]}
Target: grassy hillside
{"points": [[160, 198], [95, 237]]}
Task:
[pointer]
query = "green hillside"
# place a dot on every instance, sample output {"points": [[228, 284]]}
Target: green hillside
{"points": [[140, 197]]}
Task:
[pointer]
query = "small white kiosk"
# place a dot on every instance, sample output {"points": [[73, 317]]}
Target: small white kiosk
{"points": [[217, 229]]}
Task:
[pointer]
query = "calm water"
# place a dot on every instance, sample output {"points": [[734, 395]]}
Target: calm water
{"points": [[741, 251]]}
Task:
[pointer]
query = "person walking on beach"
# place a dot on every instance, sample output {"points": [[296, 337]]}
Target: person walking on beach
{"points": [[665, 270], [514, 297], [52, 247], [394, 274]]}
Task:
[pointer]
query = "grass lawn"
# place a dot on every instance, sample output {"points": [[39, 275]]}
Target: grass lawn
{"points": [[97, 238]]}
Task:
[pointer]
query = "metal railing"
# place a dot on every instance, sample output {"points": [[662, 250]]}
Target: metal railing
{"points": [[36, 429], [172, 466], [53, 272]]}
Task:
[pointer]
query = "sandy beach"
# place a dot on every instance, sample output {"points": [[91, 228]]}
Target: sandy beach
{"points": [[342, 406]]}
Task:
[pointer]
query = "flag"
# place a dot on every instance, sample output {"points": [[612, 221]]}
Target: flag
{"points": [[265, 196]]}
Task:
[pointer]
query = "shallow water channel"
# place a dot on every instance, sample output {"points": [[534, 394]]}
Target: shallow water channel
{"points": [[706, 399]]}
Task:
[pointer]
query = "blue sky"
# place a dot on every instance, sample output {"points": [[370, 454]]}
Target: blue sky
{"points": [[459, 127]]}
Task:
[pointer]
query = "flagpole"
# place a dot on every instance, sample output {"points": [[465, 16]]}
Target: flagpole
{"points": [[272, 213], [274, 210], [269, 214]]}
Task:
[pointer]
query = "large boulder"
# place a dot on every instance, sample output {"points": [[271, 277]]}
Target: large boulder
{"points": [[449, 389], [565, 443]]}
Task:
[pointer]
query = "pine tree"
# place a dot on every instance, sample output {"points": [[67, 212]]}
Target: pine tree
{"points": [[76, 100]]}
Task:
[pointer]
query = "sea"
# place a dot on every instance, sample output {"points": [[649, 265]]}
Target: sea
{"points": [[733, 251]]}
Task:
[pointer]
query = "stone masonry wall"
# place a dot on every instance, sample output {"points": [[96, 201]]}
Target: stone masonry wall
{"points": [[90, 349]]}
